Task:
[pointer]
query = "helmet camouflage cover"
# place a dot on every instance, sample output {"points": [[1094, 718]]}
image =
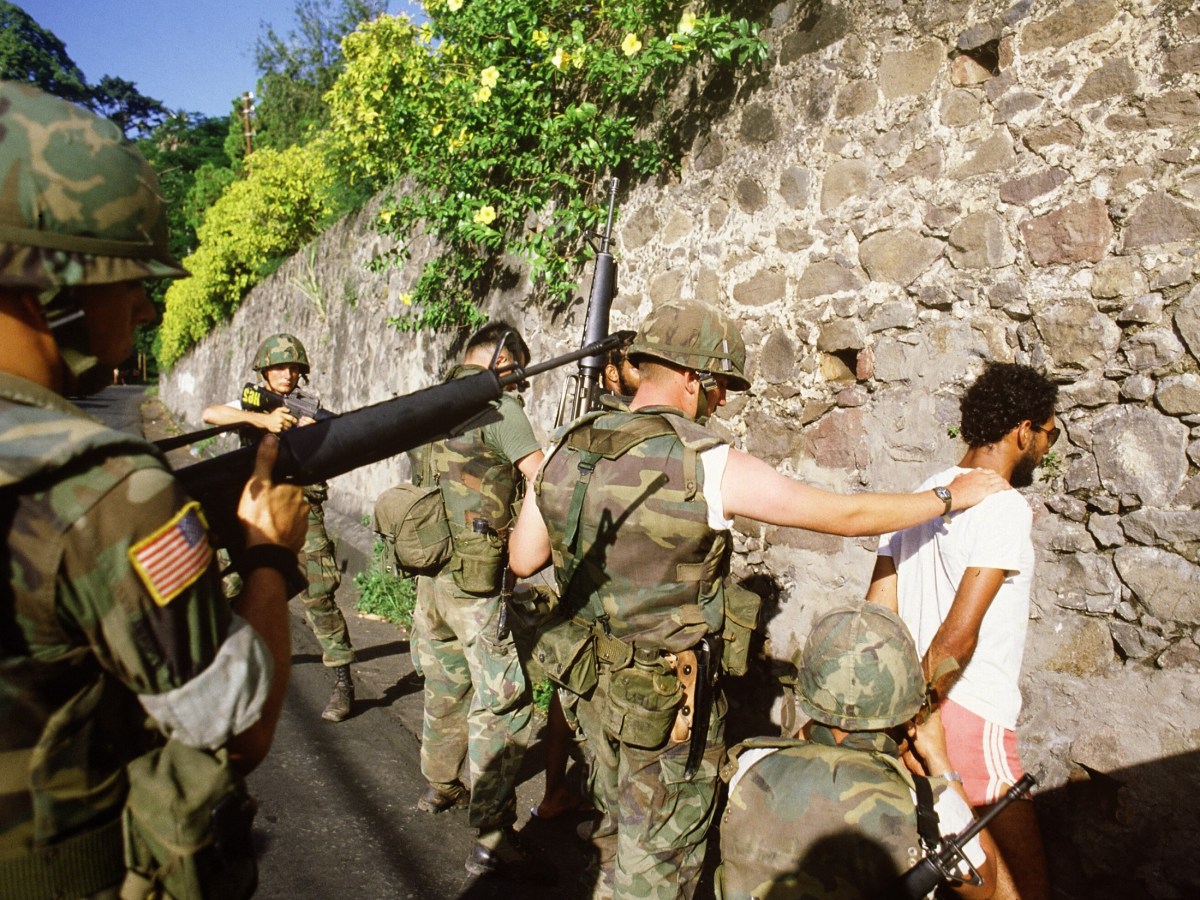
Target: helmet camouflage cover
{"points": [[279, 350], [696, 336], [79, 204], [860, 671]]}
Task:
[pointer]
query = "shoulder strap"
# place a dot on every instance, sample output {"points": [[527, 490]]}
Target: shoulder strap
{"points": [[928, 824]]}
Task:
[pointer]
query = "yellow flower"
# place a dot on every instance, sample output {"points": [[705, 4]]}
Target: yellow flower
{"points": [[483, 95], [687, 23], [454, 5], [485, 215], [436, 129], [560, 58], [540, 37], [406, 299], [385, 216], [631, 44], [489, 76]]}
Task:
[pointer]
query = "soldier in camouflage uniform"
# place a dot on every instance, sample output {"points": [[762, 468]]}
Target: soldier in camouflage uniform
{"points": [[835, 816], [113, 611], [634, 508], [477, 698], [281, 363]]}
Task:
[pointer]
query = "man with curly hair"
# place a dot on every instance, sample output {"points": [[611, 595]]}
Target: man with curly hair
{"points": [[962, 585]]}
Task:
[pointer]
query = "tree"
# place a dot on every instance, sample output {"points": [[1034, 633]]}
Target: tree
{"points": [[124, 104], [296, 71], [31, 54]]}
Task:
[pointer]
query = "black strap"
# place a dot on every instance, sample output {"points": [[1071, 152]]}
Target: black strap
{"points": [[928, 824], [270, 556]]}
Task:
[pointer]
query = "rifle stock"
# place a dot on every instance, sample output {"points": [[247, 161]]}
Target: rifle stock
{"points": [[340, 444]]}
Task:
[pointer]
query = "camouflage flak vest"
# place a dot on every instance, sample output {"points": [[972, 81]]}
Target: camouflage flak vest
{"points": [[66, 728], [479, 489], [815, 820], [622, 498]]}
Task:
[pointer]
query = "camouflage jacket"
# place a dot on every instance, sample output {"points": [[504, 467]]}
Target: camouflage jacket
{"points": [[478, 477], [813, 819], [622, 498], [85, 627]]}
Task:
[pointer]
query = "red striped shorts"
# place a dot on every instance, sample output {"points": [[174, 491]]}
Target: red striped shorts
{"points": [[982, 752]]}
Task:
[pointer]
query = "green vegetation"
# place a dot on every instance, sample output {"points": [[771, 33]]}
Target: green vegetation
{"points": [[543, 692], [381, 593], [1053, 466], [501, 115], [501, 119]]}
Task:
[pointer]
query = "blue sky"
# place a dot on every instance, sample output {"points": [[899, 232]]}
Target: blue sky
{"points": [[195, 55]]}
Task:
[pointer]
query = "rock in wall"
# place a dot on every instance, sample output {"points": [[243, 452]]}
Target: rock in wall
{"points": [[906, 191]]}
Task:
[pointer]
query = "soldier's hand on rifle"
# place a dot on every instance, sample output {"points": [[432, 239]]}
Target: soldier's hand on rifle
{"points": [[272, 513], [305, 420], [279, 419], [928, 744]]}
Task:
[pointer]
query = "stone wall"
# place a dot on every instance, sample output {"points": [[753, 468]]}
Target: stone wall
{"points": [[910, 189]]}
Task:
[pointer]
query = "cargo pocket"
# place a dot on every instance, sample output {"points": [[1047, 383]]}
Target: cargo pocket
{"points": [[504, 685]]}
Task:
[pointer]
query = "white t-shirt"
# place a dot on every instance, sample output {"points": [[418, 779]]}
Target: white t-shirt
{"points": [[930, 561]]}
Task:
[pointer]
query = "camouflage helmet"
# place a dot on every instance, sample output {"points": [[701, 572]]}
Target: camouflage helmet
{"points": [[859, 670], [696, 336], [78, 204], [279, 350]]}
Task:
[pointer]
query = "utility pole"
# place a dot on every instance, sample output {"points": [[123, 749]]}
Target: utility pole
{"points": [[247, 128]]}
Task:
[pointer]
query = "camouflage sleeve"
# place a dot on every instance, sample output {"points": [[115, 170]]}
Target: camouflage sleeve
{"points": [[513, 435], [138, 577]]}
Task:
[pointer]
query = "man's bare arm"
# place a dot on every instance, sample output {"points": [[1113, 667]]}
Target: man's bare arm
{"points": [[277, 420], [529, 543], [959, 634], [753, 489], [884, 589]]}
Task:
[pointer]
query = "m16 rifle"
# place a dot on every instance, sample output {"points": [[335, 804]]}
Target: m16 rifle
{"points": [[339, 444], [581, 394], [940, 862], [257, 398]]}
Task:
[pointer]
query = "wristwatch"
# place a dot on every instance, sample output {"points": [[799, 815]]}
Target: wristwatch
{"points": [[943, 494]]}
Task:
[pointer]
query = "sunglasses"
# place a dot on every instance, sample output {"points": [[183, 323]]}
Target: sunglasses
{"points": [[1051, 433]]}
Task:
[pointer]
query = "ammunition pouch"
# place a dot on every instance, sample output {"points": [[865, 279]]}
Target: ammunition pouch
{"points": [[643, 701], [187, 824], [412, 522], [742, 607], [566, 651]]}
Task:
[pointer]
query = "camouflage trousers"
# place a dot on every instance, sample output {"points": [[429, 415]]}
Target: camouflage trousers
{"points": [[660, 818], [320, 608], [478, 705]]}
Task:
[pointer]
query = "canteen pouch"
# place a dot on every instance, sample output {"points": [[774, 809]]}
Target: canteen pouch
{"points": [[643, 701], [412, 522], [566, 651], [477, 562], [187, 827], [742, 607]]}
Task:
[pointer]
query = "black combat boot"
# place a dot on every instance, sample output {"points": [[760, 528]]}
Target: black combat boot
{"points": [[342, 697]]}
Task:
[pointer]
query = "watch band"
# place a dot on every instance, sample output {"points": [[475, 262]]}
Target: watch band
{"points": [[270, 556], [952, 776], [943, 494]]}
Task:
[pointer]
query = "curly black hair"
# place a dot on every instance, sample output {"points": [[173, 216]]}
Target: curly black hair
{"points": [[1003, 397]]}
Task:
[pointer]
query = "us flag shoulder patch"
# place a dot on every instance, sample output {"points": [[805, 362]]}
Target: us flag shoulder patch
{"points": [[172, 558]]}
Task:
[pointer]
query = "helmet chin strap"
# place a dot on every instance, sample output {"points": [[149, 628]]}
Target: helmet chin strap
{"points": [[66, 322], [707, 383]]}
